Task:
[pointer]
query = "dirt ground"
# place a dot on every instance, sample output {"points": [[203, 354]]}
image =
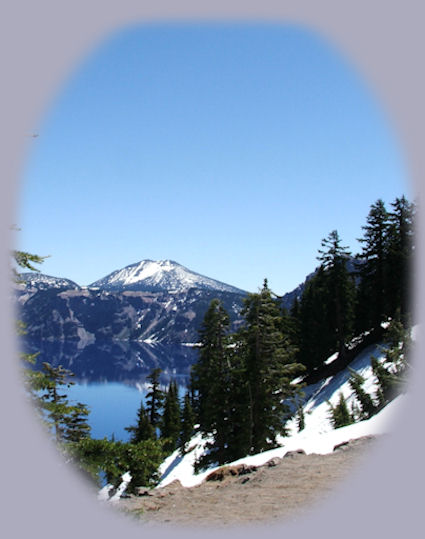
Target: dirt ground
{"points": [[280, 489]]}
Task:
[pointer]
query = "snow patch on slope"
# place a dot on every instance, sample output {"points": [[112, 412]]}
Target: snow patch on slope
{"points": [[318, 436], [41, 281]]}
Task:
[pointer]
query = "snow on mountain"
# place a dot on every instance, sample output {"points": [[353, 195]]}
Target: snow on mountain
{"points": [[318, 436], [162, 275], [42, 282], [156, 301]]}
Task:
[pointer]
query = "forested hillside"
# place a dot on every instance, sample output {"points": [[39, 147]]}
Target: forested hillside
{"points": [[248, 381]]}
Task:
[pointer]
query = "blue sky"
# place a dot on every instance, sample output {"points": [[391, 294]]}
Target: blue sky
{"points": [[231, 149]]}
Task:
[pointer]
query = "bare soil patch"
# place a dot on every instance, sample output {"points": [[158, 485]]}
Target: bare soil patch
{"points": [[280, 489]]}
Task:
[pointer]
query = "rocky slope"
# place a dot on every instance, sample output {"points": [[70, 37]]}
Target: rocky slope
{"points": [[149, 301]]}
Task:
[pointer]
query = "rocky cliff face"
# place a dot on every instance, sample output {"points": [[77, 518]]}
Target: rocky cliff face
{"points": [[153, 301], [65, 311]]}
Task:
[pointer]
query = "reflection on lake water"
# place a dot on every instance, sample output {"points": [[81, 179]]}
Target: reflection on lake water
{"points": [[110, 377]]}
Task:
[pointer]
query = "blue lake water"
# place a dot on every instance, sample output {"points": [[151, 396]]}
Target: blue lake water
{"points": [[110, 377]]}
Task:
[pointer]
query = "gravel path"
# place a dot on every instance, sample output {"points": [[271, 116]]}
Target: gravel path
{"points": [[280, 489]]}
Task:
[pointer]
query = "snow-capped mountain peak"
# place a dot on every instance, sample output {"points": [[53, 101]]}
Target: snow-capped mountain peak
{"points": [[162, 275]]}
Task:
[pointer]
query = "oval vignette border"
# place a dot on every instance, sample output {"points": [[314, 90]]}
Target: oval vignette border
{"points": [[39, 496]]}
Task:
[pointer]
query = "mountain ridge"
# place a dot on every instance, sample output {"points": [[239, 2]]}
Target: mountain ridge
{"points": [[148, 301], [41, 280], [159, 275]]}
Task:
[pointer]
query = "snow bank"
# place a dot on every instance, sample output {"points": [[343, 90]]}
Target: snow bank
{"points": [[318, 436], [104, 493], [181, 468]]}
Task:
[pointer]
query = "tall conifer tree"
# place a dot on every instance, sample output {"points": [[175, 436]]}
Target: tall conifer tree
{"points": [[154, 398], [211, 379], [187, 423], [340, 289], [374, 270], [143, 430], [170, 421], [317, 337], [270, 368], [401, 247]]}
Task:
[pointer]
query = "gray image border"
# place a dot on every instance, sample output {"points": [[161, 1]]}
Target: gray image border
{"points": [[40, 43]]}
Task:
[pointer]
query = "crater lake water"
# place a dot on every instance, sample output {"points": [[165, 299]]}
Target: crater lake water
{"points": [[110, 377]]}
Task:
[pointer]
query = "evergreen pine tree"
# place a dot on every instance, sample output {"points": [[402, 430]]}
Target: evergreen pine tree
{"points": [[374, 270], [154, 398], [34, 380], [25, 260], [240, 409], [367, 406], [45, 388], [393, 373], [300, 419], [316, 336], [170, 421], [355, 411], [211, 378], [77, 427], [291, 323], [385, 383], [187, 423], [209, 374], [192, 393], [340, 289], [401, 248], [68, 421], [270, 368], [143, 430], [111, 459], [295, 309], [340, 415]]}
